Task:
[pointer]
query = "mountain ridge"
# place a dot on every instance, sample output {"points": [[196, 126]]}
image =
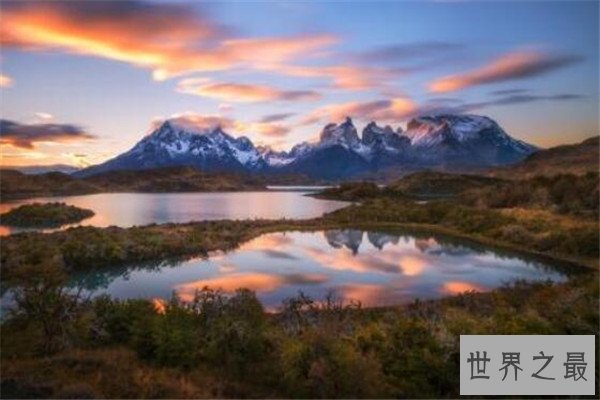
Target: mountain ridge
{"points": [[340, 153]]}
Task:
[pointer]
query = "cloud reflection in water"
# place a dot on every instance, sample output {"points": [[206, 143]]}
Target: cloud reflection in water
{"points": [[374, 268]]}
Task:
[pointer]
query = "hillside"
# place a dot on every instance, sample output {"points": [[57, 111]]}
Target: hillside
{"points": [[14, 184], [439, 184], [176, 179], [423, 185], [575, 159], [17, 185]]}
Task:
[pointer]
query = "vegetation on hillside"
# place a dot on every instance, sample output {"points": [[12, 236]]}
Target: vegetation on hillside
{"points": [[419, 186], [14, 184], [563, 193], [17, 185], [576, 159], [44, 215]]}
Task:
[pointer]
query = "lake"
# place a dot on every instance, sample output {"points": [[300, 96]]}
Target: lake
{"points": [[374, 268], [129, 209]]}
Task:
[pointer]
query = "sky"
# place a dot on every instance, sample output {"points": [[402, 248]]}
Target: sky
{"points": [[82, 81]]}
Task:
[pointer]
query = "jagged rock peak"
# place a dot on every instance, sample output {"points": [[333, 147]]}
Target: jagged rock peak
{"points": [[344, 134]]}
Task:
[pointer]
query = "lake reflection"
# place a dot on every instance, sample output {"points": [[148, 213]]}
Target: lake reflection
{"points": [[129, 209], [374, 268]]}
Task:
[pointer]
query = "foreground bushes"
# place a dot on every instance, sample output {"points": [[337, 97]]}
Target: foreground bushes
{"points": [[225, 345]]}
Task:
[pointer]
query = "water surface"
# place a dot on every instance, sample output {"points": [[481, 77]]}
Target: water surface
{"points": [[374, 268], [129, 209]]}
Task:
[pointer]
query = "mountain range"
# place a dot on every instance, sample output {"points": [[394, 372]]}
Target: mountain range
{"points": [[441, 141]]}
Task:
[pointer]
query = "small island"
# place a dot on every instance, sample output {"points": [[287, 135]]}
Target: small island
{"points": [[44, 215]]}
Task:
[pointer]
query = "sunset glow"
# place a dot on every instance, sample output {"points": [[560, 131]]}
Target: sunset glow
{"points": [[278, 71]]}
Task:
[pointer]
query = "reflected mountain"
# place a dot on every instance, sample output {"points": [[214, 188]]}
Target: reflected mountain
{"points": [[392, 268], [349, 238], [379, 239]]}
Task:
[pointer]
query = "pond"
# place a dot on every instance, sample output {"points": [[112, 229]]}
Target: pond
{"points": [[374, 268], [129, 209]]}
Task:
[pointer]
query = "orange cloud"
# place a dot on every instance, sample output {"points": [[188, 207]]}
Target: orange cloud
{"points": [[268, 51], [269, 241], [511, 66], [412, 266], [393, 110], [169, 39], [5, 81], [160, 305], [239, 92], [257, 282], [367, 294], [457, 287], [266, 129]]}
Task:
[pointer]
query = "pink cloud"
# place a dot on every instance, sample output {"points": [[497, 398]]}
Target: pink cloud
{"points": [[182, 38], [511, 66], [392, 110], [5, 81], [239, 92]]}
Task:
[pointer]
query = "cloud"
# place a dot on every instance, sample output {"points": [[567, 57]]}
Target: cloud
{"points": [[275, 50], [508, 67], [258, 282], [225, 108], [5, 81], [263, 128], [204, 122], [239, 92], [391, 110], [169, 39], [271, 130], [44, 116], [342, 76], [305, 279], [433, 107], [506, 92], [26, 136], [407, 51], [457, 287], [276, 117]]}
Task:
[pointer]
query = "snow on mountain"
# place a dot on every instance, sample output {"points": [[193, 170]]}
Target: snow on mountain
{"points": [[340, 152], [344, 135], [275, 158], [383, 139], [427, 131]]}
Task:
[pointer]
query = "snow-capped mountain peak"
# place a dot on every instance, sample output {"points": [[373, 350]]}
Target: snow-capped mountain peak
{"points": [[427, 142], [344, 134], [431, 130]]}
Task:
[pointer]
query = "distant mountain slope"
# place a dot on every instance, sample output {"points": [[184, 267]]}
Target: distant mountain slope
{"points": [[173, 179], [14, 184], [575, 159], [441, 141], [42, 169]]}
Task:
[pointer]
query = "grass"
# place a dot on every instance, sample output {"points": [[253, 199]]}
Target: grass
{"points": [[44, 215]]}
